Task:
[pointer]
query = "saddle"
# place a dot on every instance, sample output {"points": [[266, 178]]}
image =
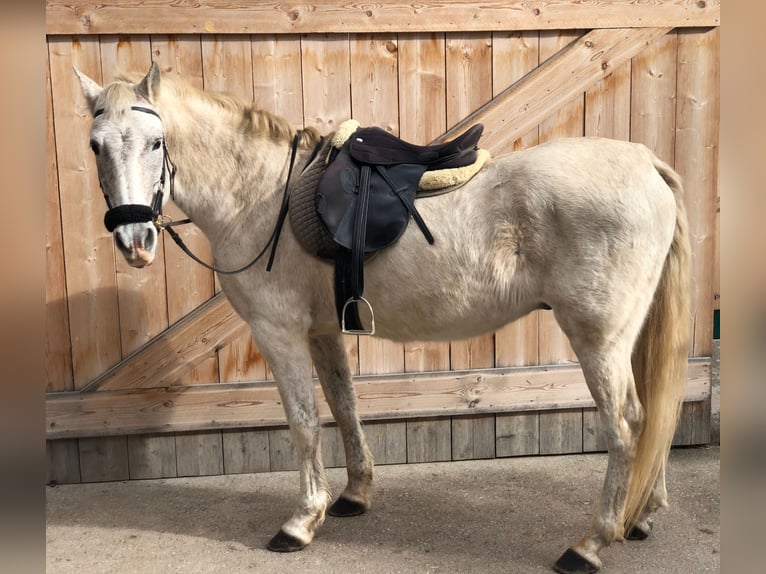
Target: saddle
{"points": [[363, 197]]}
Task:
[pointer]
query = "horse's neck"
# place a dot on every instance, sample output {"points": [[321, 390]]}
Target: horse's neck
{"points": [[225, 177]]}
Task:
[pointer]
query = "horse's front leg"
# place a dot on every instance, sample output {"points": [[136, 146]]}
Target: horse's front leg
{"points": [[331, 363], [289, 359]]}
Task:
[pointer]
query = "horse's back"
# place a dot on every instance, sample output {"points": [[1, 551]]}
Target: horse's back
{"points": [[575, 221]]}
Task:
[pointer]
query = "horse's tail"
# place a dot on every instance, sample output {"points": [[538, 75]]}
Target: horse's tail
{"points": [[660, 358]]}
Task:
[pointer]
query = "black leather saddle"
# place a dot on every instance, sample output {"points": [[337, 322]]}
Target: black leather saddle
{"points": [[365, 199]]}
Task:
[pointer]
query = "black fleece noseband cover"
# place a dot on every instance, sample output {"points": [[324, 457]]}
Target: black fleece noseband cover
{"points": [[130, 213]]}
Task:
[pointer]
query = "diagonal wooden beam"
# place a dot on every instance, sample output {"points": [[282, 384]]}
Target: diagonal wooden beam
{"points": [[554, 83], [163, 360]]}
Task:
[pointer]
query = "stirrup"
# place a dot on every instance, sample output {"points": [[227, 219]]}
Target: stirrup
{"points": [[362, 331]]}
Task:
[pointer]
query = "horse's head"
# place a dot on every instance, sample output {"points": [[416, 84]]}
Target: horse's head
{"points": [[127, 140]]}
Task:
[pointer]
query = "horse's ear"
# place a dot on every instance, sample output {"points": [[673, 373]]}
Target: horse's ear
{"points": [[149, 87], [90, 89]]}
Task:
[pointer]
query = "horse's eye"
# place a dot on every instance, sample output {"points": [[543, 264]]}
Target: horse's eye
{"points": [[156, 145], [94, 147]]}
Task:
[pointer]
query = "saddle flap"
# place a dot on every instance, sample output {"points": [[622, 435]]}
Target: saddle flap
{"points": [[387, 216]]}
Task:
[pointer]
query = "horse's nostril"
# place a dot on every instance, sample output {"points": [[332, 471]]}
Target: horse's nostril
{"points": [[149, 239], [122, 242]]}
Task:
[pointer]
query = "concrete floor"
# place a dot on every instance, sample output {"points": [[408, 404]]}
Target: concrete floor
{"points": [[503, 515]]}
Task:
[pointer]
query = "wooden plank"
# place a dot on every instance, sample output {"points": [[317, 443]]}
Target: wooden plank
{"points": [[245, 451], [152, 456], [375, 80], [566, 121], [375, 101], [142, 293], [473, 437], [88, 248], [164, 360], [561, 431], [326, 80], [428, 440], [592, 436], [104, 459], [282, 454], [239, 405], [514, 56], [63, 461], [219, 16], [228, 67], [517, 434], [277, 76], [387, 441], [189, 284], [694, 424], [607, 105], [333, 453], [422, 117], [326, 73], [696, 153], [199, 453], [653, 98], [58, 346], [556, 82], [468, 87]]}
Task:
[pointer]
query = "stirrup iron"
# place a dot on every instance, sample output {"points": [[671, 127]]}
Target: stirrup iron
{"points": [[362, 331]]}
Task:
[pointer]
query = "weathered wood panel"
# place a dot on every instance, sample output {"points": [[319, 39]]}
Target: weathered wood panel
{"points": [[88, 248], [514, 56], [189, 284], [245, 451], [152, 456], [104, 459], [199, 453], [58, 347], [417, 85], [185, 408], [567, 121], [219, 16], [696, 159], [517, 434]]}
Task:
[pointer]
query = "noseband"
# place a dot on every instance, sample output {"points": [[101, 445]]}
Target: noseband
{"points": [[135, 213]]}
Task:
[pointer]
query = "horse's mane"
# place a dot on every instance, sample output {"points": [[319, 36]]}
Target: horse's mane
{"points": [[250, 119]]}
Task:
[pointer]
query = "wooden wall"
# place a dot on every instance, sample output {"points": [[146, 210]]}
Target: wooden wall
{"points": [[149, 372]]}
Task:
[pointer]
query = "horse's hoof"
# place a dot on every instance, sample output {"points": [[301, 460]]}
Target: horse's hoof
{"points": [[573, 563], [283, 542], [637, 533], [345, 507]]}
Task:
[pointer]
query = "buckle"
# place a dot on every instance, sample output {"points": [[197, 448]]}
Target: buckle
{"points": [[362, 331]]}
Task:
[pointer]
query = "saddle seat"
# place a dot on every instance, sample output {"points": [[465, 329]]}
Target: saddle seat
{"points": [[376, 146]]}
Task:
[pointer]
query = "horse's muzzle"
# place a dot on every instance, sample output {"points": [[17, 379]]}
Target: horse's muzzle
{"points": [[137, 242]]}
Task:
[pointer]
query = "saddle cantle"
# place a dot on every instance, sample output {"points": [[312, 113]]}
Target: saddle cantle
{"points": [[364, 197]]}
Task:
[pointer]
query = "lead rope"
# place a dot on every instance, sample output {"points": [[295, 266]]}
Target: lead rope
{"points": [[273, 239]]}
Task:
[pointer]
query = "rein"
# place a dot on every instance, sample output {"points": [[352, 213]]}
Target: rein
{"points": [[135, 213]]}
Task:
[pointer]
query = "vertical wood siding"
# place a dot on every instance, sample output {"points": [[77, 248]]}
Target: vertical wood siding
{"points": [[416, 85]]}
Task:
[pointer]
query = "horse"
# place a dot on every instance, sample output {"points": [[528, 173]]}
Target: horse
{"points": [[594, 229]]}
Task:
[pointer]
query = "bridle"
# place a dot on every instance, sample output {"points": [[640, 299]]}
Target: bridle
{"points": [[136, 213]]}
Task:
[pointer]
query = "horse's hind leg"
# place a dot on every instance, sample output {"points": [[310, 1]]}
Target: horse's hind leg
{"points": [[290, 360], [331, 363], [608, 373], [658, 499]]}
